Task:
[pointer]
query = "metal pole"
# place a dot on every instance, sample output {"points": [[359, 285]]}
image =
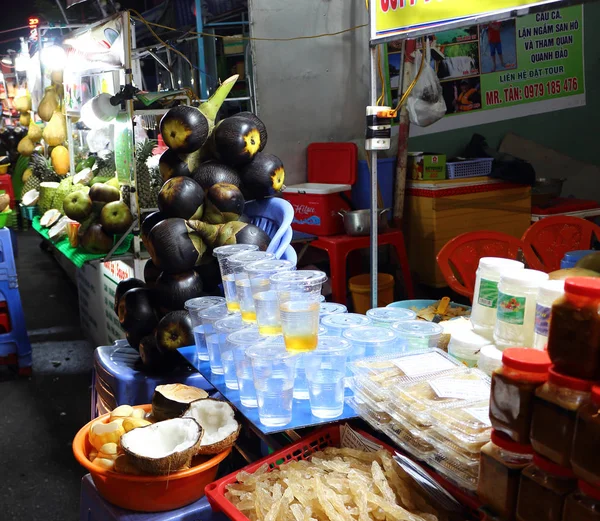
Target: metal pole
{"points": [[62, 10], [374, 202], [203, 91]]}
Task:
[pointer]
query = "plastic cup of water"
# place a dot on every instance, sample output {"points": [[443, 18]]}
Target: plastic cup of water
{"points": [[418, 334], [306, 281], [373, 341], [385, 317], [338, 323], [268, 318], [194, 307], [223, 328], [222, 253], [273, 367], [240, 341], [300, 382], [325, 373], [331, 308], [209, 317]]}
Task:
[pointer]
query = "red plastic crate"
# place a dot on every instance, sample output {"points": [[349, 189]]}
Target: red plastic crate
{"points": [[301, 450]]}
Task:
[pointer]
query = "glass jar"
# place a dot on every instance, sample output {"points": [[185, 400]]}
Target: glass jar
{"points": [[582, 505], [543, 490], [485, 296], [500, 466], [513, 389], [549, 292], [585, 456], [574, 339], [515, 315], [554, 413]]}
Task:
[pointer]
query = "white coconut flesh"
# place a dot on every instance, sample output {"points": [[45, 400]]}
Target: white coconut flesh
{"points": [[216, 418], [50, 217], [30, 198], [162, 439], [83, 177]]}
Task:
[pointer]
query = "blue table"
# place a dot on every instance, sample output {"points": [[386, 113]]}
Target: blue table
{"points": [[301, 415]]}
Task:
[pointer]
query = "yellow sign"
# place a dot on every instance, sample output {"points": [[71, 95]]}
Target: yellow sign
{"points": [[396, 17]]}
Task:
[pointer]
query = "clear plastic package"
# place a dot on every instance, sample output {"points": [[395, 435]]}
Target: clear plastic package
{"points": [[409, 438], [366, 413], [469, 460], [454, 471], [374, 408]]}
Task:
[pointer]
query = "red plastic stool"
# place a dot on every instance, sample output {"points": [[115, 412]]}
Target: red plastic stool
{"points": [[6, 185], [339, 246]]}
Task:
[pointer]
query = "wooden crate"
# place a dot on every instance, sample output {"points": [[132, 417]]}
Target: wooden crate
{"points": [[433, 217]]}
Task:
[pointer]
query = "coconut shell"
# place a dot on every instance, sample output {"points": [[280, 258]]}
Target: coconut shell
{"points": [[222, 444], [165, 408]]}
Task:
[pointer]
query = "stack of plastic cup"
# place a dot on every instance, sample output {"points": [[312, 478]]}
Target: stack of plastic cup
{"points": [[373, 341], [265, 302], [237, 265], [223, 329], [239, 342], [337, 324], [299, 295], [273, 367], [331, 308], [418, 334], [209, 317], [385, 317], [222, 253], [194, 307], [325, 373]]}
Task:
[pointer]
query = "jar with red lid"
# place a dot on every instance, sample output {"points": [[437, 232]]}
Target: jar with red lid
{"points": [[585, 454], [583, 504], [543, 490], [500, 466], [574, 338], [554, 413], [513, 389]]}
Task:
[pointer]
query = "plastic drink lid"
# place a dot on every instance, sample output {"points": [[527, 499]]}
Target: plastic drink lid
{"points": [[199, 303], [551, 289], [524, 278], [504, 442], [270, 265], [551, 467], [247, 336], [526, 359], [370, 334], [562, 380], [230, 324], [343, 320], [331, 308], [232, 249], [596, 394], [300, 278], [217, 311], [391, 315], [331, 344], [417, 328], [322, 330], [245, 257], [499, 262], [583, 286]]}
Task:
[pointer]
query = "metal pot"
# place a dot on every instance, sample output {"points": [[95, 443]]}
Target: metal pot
{"points": [[358, 222], [545, 190]]}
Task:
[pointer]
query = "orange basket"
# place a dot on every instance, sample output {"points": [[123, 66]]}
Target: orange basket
{"points": [[147, 493]]}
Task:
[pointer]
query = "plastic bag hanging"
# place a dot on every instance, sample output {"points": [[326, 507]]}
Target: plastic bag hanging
{"points": [[426, 103]]}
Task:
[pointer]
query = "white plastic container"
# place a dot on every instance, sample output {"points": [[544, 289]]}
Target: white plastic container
{"points": [[515, 315], [548, 293], [490, 359], [465, 346], [385, 317], [418, 333], [485, 296]]}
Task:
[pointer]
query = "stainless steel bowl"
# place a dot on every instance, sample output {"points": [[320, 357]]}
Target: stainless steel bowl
{"points": [[358, 222], [546, 189]]}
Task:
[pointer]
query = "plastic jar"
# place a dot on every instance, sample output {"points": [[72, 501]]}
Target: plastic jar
{"points": [[548, 293], [485, 296], [554, 413], [337, 323], [418, 333], [385, 317], [513, 389], [585, 456], [515, 316], [583, 504], [500, 466], [490, 359], [543, 490], [574, 339], [465, 346], [371, 340]]}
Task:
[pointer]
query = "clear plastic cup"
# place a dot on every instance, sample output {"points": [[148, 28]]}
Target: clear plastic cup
{"points": [[273, 367], [240, 341], [194, 307], [266, 304], [385, 317], [237, 264], [418, 334], [209, 317], [373, 341], [299, 320], [331, 308], [325, 373], [323, 330], [306, 281], [223, 329], [300, 381], [222, 253], [337, 324], [322, 298]]}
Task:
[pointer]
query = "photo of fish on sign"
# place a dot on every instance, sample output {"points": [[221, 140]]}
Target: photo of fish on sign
{"points": [[497, 43]]}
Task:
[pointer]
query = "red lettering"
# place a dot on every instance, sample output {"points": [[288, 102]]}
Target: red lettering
{"points": [[394, 4], [413, 2], [385, 5], [492, 98]]}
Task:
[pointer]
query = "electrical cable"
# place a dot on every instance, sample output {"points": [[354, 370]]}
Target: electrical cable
{"points": [[413, 83]]}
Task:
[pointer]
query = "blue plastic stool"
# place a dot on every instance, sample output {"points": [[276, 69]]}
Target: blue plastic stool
{"points": [[118, 378], [15, 348], [572, 257], [93, 507], [274, 215]]}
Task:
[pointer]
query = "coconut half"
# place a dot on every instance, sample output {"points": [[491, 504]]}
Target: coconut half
{"points": [[30, 198], [50, 217], [84, 177], [59, 230], [217, 419], [163, 447], [172, 400]]}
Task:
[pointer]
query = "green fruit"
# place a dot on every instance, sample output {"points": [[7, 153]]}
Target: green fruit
{"points": [[116, 218], [113, 181], [77, 206]]}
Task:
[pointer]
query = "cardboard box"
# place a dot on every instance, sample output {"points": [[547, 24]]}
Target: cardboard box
{"points": [[426, 166]]}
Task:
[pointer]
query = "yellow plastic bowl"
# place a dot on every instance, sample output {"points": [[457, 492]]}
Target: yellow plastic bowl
{"points": [[4, 168], [147, 493]]}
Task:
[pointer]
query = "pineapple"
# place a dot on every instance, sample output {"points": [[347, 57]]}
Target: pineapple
{"points": [[42, 169], [147, 195], [106, 164], [32, 183]]}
